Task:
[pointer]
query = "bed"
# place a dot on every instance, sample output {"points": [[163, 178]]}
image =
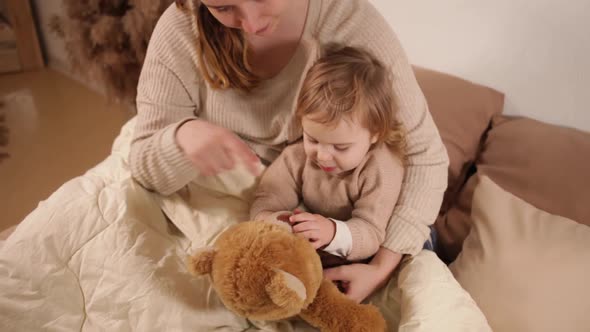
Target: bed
{"points": [[102, 253]]}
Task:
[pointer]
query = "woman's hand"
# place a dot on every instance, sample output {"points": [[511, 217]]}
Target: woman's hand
{"points": [[213, 149], [316, 228], [361, 280]]}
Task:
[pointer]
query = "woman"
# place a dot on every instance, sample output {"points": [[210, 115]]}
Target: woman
{"points": [[219, 86]]}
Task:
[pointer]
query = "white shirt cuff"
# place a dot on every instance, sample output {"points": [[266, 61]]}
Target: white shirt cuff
{"points": [[341, 244]]}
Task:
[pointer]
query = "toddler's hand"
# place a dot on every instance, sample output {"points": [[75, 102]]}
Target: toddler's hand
{"points": [[316, 228], [280, 218]]}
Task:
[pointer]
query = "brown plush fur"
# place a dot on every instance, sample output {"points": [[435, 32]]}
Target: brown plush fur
{"points": [[257, 269], [107, 40], [331, 311]]}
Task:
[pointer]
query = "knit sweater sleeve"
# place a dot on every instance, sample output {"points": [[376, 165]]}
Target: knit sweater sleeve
{"points": [[280, 185], [379, 185], [163, 104], [358, 23]]}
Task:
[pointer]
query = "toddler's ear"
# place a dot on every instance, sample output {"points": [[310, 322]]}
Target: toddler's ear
{"points": [[374, 139], [202, 262]]}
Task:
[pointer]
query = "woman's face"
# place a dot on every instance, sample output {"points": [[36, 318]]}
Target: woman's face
{"points": [[254, 17]]}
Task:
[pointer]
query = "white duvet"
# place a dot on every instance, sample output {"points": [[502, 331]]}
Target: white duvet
{"points": [[103, 254]]}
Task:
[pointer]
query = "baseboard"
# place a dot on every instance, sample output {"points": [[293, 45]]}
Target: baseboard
{"points": [[63, 66]]}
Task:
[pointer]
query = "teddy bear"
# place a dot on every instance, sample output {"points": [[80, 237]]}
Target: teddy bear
{"points": [[262, 271]]}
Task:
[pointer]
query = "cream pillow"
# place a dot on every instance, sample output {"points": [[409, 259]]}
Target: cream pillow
{"points": [[528, 270]]}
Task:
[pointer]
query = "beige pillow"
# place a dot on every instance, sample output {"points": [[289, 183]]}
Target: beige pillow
{"points": [[545, 165], [528, 270]]}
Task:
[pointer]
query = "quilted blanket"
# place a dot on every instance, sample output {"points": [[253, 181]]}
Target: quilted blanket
{"points": [[104, 254]]}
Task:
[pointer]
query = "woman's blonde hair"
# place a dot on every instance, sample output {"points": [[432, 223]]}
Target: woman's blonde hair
{"points": [[223, 51], [349, 83]]}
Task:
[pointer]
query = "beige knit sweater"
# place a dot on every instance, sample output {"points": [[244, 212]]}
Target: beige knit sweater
{"points": [[171, 90], [364, 198]]}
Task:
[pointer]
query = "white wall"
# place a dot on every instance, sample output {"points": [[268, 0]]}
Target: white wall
{"points": [[535, 51]]}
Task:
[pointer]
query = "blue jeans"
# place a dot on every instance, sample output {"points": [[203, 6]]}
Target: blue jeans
{"points": [[430, 243]]}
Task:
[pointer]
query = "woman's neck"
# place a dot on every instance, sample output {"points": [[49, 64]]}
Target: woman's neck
{"points": [[271, 53]]}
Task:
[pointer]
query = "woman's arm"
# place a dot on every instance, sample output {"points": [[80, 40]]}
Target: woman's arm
{"points": [[170, 145], [425, 179], [163, 104]]}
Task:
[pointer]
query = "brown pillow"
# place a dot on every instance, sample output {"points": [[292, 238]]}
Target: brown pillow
{"points": [[527, 270], [462, 112], [545, 165]]}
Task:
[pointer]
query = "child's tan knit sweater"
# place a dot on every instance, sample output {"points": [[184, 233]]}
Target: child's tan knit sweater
{"points": [[364, 198], [171, 90]]}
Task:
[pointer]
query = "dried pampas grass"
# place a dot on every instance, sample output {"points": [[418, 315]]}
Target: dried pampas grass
{"points": [[106, 40]]}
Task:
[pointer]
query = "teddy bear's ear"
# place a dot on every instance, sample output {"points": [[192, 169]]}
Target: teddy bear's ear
{"points": [[202, 262], [286, 290]]}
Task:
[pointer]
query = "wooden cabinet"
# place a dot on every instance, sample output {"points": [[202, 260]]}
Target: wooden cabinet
{"points": [[19, 43]]}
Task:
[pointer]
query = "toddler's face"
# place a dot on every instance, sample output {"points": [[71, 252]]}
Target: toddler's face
{"points": [[336, 148]]}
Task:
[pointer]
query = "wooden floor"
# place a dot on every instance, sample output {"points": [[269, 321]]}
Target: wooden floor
{"points": [[58, 128]]}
